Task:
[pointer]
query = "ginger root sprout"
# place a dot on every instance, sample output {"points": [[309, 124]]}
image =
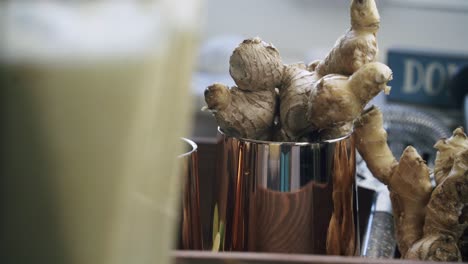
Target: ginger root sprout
{"points": [[359, 45]]}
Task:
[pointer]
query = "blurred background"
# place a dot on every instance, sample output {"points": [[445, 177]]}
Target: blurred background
{"points": [[423, 41]]}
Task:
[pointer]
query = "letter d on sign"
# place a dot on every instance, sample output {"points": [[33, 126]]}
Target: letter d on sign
{"points": [[414, 76]]}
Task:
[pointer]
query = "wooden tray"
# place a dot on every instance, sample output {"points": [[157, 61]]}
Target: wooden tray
{"points": [[206, 257]]}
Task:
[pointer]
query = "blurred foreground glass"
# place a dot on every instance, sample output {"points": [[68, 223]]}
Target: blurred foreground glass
{"points": [[94, 99], [281, 197]]}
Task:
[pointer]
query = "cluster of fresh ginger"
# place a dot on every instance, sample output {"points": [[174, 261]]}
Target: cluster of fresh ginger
{"points": [[429, 222], [326, 99], [298, 102]]}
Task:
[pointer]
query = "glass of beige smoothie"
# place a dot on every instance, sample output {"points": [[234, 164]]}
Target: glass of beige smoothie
{"points": [[94, 96]]}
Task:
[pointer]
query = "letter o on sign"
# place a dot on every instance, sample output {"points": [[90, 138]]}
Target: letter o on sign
{"points": [[432, 88]]}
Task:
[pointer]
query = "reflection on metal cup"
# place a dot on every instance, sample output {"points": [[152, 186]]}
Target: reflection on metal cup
{"points": [[287, 197], [190, 236]]}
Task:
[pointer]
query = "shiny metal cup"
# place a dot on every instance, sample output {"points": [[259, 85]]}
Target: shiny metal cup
{"points": [[287, 197], [190, 233]]}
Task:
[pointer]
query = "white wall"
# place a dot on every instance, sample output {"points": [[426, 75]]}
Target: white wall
{"points": [[297, 26]]}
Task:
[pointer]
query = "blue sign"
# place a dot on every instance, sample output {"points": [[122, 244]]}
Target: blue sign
{"points": [[422, 77]]}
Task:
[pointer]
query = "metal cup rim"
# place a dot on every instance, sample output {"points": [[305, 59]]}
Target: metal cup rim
{"points": [[192, 144], [277, 143]]}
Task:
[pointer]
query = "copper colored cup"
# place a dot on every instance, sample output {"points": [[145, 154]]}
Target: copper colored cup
{"points": [[190, 233], [287, 197]]}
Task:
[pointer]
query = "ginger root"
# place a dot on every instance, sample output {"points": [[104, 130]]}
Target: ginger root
{"points": [[435, 248], [447, 149], [310, 103], [256, 65], [448, 201], [408, 180], [294, 98], [249, 110], [372, 144], [337, 99], [429, 223], [445, 223], [359, 45], [307, 103], [240, 113], [316, 102], [410, 190]]}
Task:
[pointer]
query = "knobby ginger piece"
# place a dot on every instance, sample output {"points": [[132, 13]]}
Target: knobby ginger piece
{"points": [[240, 113], [256, 65], [294, 98], [337, 99], [447, 149], [436, 247], [371, 142], [445, 216], [448, 200], [410, 190], [359, 45]]}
